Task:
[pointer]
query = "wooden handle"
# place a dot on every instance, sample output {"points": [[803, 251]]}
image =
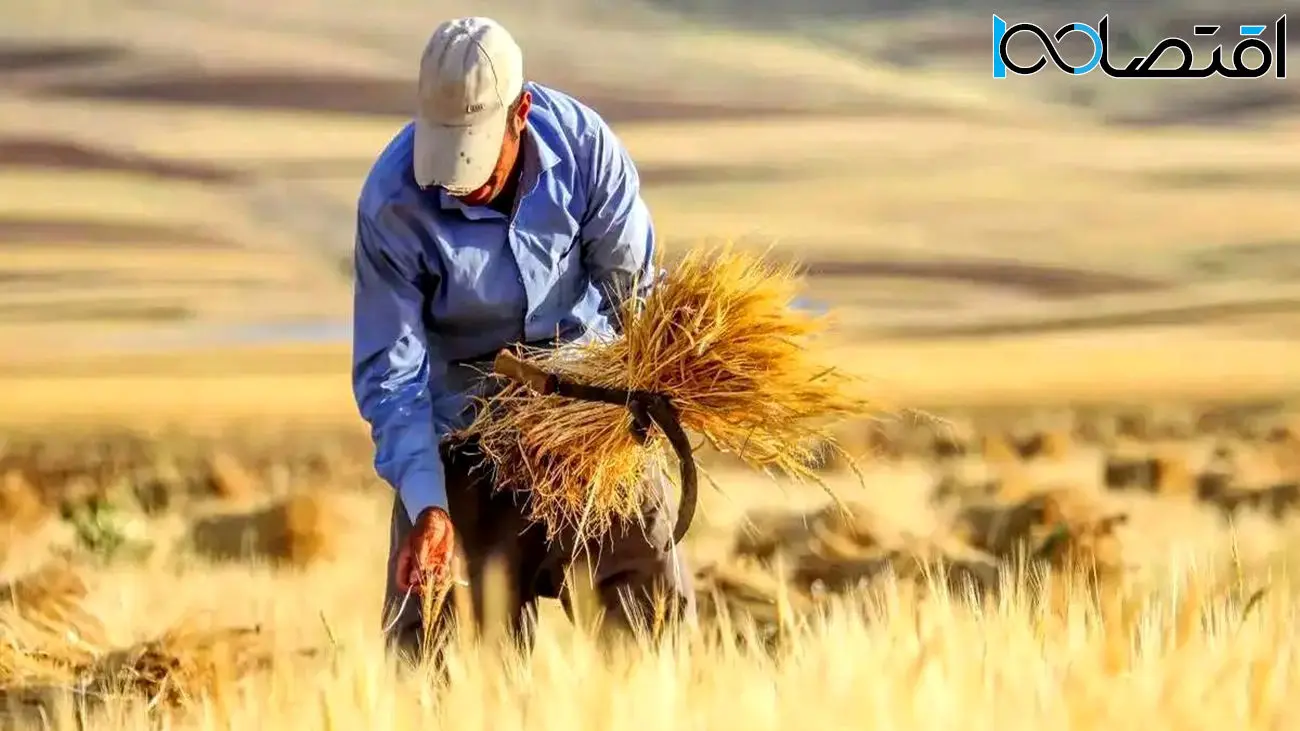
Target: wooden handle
{"points": [[511, 366]]}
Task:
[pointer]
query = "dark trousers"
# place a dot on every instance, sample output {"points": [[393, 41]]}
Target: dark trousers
{"points": [[633, 573]]}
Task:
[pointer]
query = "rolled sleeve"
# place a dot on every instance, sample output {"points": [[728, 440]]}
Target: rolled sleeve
{"points": [[618, 235], [394, 366]]}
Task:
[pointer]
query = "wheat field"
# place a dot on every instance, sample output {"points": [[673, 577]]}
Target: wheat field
{"points": [[932, 666], [272, 541]]}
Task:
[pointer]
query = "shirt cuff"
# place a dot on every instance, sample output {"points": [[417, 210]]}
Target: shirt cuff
{"points": [[422, 490]]}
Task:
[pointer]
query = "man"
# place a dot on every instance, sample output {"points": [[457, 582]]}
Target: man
{"points": [[506, 212]]}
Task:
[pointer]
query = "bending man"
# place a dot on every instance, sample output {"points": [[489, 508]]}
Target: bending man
{"points": [[505, 212]]}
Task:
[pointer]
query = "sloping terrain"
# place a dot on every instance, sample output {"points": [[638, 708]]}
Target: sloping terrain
{"points": [[186, 174]]}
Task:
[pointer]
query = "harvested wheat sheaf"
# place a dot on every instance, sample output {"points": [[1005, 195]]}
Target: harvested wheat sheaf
{"points": [[721, 336], [48, 640], [299, 530], [45, 631], [181, 666]]}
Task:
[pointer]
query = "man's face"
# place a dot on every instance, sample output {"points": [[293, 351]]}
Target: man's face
{"points": [[488, 192]]}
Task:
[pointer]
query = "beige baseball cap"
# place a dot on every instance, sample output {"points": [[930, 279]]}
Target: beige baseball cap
{"points": [[471, 72]]}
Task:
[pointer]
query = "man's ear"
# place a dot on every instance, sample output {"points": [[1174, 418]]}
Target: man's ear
{"points": [[521, 112]]}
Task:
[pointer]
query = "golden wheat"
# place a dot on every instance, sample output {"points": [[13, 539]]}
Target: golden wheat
{"points": [[720, 335]]}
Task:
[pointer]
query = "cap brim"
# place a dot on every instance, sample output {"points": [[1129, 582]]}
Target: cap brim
{"points": [[458, 158]]}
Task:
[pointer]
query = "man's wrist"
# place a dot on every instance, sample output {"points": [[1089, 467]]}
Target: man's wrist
{"points": [[431, 510], [420, 495]]}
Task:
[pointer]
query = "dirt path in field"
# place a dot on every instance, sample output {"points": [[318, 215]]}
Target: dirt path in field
{"points": [[1185, 310], [1039, 280], [41, 56], [20, 230], [35, 152]]}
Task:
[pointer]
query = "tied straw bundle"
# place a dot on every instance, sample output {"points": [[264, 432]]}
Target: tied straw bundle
{"points": [[721, 336]]}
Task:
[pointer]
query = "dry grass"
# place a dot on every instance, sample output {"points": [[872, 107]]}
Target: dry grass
{"points": [[719, 336], [182, 666], [47, 629], [802, 613], [52, 643], [1203, 647]]}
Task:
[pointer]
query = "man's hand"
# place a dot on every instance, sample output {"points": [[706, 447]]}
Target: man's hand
{"points": [[427, 552]]}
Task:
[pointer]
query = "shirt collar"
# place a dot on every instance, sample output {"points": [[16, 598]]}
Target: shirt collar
{"points": [[539, 157]]}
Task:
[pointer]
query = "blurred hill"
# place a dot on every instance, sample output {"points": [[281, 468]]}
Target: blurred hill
{"points": [[185, 174], [954, 35]]}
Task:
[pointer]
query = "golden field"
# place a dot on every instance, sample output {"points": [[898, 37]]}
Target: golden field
{"points": [[1100, 298], [1182, 616]]}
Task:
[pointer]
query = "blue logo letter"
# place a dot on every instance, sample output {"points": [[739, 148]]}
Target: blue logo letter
{"points": [[999, 30], [1095, 37]]}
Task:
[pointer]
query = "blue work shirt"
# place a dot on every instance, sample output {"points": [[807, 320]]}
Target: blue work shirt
{"points": [[441, 286]]}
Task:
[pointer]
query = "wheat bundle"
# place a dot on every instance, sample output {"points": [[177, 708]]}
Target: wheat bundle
{"points": [[182, 665], [298, 530], [45, 631], [720, 335]]}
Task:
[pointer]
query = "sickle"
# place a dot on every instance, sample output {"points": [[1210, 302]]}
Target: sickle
{"points": [[647, 408], [663, 413]]}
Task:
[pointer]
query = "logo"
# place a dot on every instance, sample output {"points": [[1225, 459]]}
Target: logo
{"points": [[1243, 64]]}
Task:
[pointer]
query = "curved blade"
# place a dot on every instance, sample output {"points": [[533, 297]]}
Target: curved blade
{"points": [[665, 417]]}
